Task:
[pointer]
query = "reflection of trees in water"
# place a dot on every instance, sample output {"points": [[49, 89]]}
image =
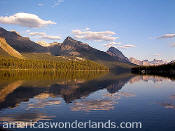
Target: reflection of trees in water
{"points": [[49, 75], [69, 90]]}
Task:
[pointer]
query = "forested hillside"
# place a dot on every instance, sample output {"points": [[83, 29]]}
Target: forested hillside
{"points": [[44, 63]]}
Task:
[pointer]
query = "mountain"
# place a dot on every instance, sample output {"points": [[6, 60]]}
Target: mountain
{"points": [[6, 49], [135, 61], [146, 62], [118, 55], [71, 47], [19, 43]]}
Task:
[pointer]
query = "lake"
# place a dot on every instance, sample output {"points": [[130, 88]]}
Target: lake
{"points": [[27, 96]]}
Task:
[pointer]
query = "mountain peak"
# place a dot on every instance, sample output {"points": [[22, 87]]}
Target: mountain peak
{"points": [[112, 51], [69, 38]]}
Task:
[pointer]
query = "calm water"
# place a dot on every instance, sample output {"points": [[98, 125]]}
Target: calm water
{"points": [[96, 96]]}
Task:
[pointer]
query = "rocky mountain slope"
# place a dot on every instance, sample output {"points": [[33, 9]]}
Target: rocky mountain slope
{"points": [[71, 47], [6, 49], [19, 43], [118, 55], [113, 58]]}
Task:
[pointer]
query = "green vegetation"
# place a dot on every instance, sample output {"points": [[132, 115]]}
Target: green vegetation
{"points": [[45, 62]]}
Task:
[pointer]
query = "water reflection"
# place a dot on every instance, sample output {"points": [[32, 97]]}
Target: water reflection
{"points": [[107, 103], [92, 105], [24, 95], [146, 78], [22, 90], [43, 103], [25, 117]]}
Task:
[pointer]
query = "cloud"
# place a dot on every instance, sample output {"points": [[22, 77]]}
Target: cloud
{"points": [[112, 44], [43, 35], [26, 20], [99, 36], [172, 35], [57, 2], [87, 29], [27, 31], [156, 54], [40, 4], [37, 34], [126, 46]]}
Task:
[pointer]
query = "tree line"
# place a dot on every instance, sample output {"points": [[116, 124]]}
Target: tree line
{"points": [[46, 64], [163, 70]]}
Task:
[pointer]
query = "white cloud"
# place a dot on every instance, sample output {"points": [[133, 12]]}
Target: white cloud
{"points": [[57, 2], [40, 4], [157, 54], [27, 31], [87, 29], [37, 34], [112, 44], [99, 36], [127, 46], [172, 35], [26, 20], [43, 35]]}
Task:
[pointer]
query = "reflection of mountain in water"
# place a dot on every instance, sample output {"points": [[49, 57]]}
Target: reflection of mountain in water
{"points": [[148, 78], [69, 90]]}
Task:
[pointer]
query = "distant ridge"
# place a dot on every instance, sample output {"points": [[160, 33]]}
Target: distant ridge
{"points": [[146, 62], [8, 49]]}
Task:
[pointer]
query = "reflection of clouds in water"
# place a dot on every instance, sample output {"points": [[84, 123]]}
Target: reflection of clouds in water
{"points": [[89, 105], [118, 95], [168, 105], [43, 103], [42, 100], [25, 117], [105, 104], [42, 96], [172, 96]]}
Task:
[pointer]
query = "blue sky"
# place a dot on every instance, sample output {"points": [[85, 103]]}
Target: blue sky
{"points": [[143, 29]]}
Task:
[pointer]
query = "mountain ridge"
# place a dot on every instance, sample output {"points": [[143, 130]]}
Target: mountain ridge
{"points": [[69, 48], [19, 43], [147, 62]]}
